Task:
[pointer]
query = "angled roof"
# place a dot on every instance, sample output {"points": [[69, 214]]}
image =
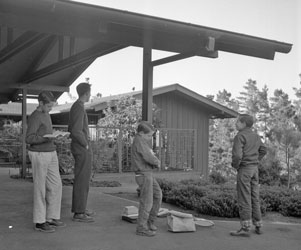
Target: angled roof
{"points": [[215, 109], [50, 43]]}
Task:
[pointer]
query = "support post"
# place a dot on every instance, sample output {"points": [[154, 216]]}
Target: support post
{"points": [[147, 91], [24, 129], [119, 149]]}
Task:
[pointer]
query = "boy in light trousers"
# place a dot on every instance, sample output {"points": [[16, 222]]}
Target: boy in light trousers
{"points": [[47, 184], [143, 163]]}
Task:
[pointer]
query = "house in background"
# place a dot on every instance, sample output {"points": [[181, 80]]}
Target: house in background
{"points": [[185, 118], [13, 110]]}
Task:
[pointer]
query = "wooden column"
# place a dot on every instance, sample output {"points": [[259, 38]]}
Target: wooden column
{"points": [[147, 91], [24, 128]]}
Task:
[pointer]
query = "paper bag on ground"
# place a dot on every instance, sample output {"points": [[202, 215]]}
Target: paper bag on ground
{"points": [[180, 222]]}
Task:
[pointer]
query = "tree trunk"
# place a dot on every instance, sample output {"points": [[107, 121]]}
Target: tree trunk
{"points": [[288, 168]]}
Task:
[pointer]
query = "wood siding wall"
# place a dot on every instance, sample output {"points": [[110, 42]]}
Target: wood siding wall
{"points": [[177, 111]]}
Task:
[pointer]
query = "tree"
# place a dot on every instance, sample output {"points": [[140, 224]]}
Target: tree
{"points": [[249, 99], [126, 111], [264, 111], [255, 102], [284, 133], [221, 132]]}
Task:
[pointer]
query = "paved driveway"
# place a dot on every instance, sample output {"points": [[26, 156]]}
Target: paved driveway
{"points": [[109, 232]]}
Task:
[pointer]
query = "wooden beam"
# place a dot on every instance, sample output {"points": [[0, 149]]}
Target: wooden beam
{"points": [[82, 57], [36, 62], [210, 44], [54, 88], [181, 56], [26, 40], [24, 129], [147, 91]]}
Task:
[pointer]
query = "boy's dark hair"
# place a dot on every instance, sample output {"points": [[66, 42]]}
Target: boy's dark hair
{"points": [[83, 88], [145, 127], [247, 119], [46, 97]]}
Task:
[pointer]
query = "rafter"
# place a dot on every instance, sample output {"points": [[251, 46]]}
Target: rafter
{"points": [[23, 42], [41, 56], [211, 54], [87, 55], [40, 87]]}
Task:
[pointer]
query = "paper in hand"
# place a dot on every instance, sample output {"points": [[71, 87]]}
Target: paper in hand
{"points": [[56, 134]]}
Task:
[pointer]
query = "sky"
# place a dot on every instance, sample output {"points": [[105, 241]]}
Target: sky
{"points": [[278, 20]]}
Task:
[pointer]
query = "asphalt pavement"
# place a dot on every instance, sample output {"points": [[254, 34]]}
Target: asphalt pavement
{"points": [[109, 232]]}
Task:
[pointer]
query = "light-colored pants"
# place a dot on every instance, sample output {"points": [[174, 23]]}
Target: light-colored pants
{"points": [[47, 186], [150, 200], [248, 196]]}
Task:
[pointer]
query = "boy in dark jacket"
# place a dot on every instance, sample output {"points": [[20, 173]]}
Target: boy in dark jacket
{"points": [[143, 163], [82, 153], [247, 151]]}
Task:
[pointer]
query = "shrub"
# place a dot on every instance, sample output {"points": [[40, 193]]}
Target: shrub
{"points": [[221, 200], [291, 206], [217, 178], [273, 197]]}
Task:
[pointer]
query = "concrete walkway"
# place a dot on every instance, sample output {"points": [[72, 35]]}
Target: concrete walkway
{"points": [[109, 232]]}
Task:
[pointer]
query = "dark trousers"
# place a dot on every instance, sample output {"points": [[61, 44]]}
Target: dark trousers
{"points": [[82, 174], [248, 196]]}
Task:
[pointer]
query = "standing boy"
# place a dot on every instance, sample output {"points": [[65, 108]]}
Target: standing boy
{"points": [[82, 153], [143, 163], [47, 184], [247, 151]]}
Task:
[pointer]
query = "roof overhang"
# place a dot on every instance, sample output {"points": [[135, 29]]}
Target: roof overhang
{"points": [[49, 43]]}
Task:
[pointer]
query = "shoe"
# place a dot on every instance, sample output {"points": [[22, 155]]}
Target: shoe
{"points": [[258, 230], [147, 233], [44, 227], [56, 223], [241, 232], [82, 218], [90, 212], [151, 226]]}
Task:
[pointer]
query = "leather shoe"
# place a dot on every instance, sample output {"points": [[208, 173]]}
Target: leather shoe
{"points": [[151, 226], [82, 218], [241, 232], [90, 212], [147, 233], [258, 230], [56, 223]]}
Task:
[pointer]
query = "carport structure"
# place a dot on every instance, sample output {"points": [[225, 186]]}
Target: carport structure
{"points": [[47, 44]]}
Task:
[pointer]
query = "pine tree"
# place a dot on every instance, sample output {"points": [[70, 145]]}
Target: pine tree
{"points": [[284, 132], [221, 133]]}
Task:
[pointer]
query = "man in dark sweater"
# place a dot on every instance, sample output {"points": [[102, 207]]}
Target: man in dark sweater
{"points": [[47, 184], [247, 151], [82, 153]]}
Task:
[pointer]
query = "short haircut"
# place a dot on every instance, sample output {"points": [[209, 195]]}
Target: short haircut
{"points": [[46, 97], [247, 119], [145, 127], [83, 88]]}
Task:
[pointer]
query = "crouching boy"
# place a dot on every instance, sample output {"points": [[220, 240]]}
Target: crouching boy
{"points": [[143, 163]]}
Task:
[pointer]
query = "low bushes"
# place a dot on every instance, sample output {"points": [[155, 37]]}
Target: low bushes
{"points": [[221, 200]]}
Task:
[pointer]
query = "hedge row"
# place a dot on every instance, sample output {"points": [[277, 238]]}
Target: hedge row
{"points": [[221, 200]]}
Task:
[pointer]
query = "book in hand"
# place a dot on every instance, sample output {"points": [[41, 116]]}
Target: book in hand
{"points": [[56, 134]]}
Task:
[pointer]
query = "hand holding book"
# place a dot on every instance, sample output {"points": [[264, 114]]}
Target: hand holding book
{"points": [[56, 134]]}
